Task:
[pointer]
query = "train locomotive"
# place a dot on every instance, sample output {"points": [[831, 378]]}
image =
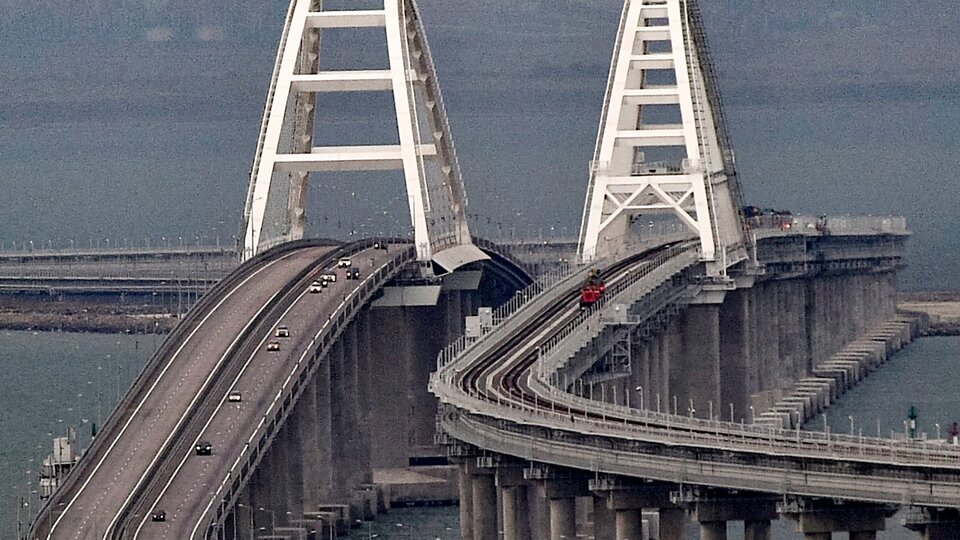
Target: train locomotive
{"points": [[592, 290]]}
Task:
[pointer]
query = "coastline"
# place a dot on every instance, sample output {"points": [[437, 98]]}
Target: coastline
{"points": [[110, 315], [83, 314], [941, 307]]}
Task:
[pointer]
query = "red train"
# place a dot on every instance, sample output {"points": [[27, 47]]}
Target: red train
{"points": [[592, 290]]}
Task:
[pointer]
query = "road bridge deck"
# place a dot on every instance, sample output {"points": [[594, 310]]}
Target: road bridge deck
{"points": [[132, 447]]}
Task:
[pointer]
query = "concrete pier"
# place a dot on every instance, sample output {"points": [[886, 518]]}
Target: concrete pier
{"points": [[484, 506], [818, 518]]}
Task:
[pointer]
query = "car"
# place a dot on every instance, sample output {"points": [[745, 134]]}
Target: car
{"points": [[380, 245], [234, 396], [158, 515], [282, 331], [273, 346], [331, 277], [353, 273], [344, 263], [315, 287], [203, 448]]}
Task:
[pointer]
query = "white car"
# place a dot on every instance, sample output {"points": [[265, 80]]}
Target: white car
{"points": [[331, 277], [315, 287], [344, 263], [234, 396]]}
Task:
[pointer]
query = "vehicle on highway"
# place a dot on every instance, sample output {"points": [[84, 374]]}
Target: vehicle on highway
{"points": [[159, 515], [380, 245], [344, 263], [331, 277], [203, 448], [315, 287], [273, 346], [282, 331], [234, 396], [353, 273]]}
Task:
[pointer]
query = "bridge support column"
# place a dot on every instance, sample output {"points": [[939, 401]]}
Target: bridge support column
{"points": [[465, 485], [672, 521], [934, 523], [484, 506], [604, 519], [756, 530], [513, 500], [627, 499], [713, 530], [341, 421], [714, 508], [629, 523], [563, 518], [817, 519], [560, 488], [699, 353]]}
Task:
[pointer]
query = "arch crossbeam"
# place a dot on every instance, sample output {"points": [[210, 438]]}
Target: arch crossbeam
{"points": [[286, 155], [662, 148]]}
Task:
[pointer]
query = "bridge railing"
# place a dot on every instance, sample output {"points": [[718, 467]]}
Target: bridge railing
{"points": [[774, 225], [580, 444], [559, 348], [293, 384], [569, 272]]}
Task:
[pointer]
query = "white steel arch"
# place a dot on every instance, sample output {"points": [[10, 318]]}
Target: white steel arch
{"points": [[661, 147], [275, 207]]}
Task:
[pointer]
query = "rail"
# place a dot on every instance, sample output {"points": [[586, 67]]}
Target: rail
{"points": [[545, 408]]}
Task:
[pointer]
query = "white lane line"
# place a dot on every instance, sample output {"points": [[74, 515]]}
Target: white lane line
{"points": [[186, 413], [150, 391], [292, 374], [259, 348]]}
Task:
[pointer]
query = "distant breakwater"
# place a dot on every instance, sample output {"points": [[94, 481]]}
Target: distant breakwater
{"points": [[83, 314], [942, 309]]}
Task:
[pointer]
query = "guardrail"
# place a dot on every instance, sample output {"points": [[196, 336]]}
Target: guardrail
{"points": [[300, 373], [675, 460], [549, 408], [785, 224]]}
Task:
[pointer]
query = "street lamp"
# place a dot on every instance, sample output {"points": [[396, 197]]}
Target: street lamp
{"points": [[640, 391], [851, 424]]}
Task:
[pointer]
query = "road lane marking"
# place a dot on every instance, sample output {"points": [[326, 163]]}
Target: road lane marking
{"points": [[149, 392]]}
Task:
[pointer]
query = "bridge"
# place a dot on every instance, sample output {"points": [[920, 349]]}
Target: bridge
{"points": [[265, 413]]}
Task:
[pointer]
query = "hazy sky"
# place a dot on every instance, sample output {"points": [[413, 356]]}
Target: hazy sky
{"points": [[135, 118]]}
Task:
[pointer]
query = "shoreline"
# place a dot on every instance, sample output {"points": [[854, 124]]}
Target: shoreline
{"points": [[83, 314], [942, 309], [106, 315]]}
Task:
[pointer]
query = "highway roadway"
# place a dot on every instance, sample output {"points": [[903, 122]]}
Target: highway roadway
{"points": [[187, 490], [121, 457]]}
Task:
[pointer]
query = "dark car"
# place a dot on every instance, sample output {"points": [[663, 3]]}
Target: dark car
{"points": [[159, 515], [204, 448]]}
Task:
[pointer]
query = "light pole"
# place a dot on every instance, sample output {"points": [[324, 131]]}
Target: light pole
{"points": [[751, 414], [851, 424], [640, 391]]}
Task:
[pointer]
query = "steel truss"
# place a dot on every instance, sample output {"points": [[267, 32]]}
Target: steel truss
{"points": [[276, 200], [661, 147]]}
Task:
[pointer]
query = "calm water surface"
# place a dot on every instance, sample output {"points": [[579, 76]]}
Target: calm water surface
{"points": [[52, 380]]}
